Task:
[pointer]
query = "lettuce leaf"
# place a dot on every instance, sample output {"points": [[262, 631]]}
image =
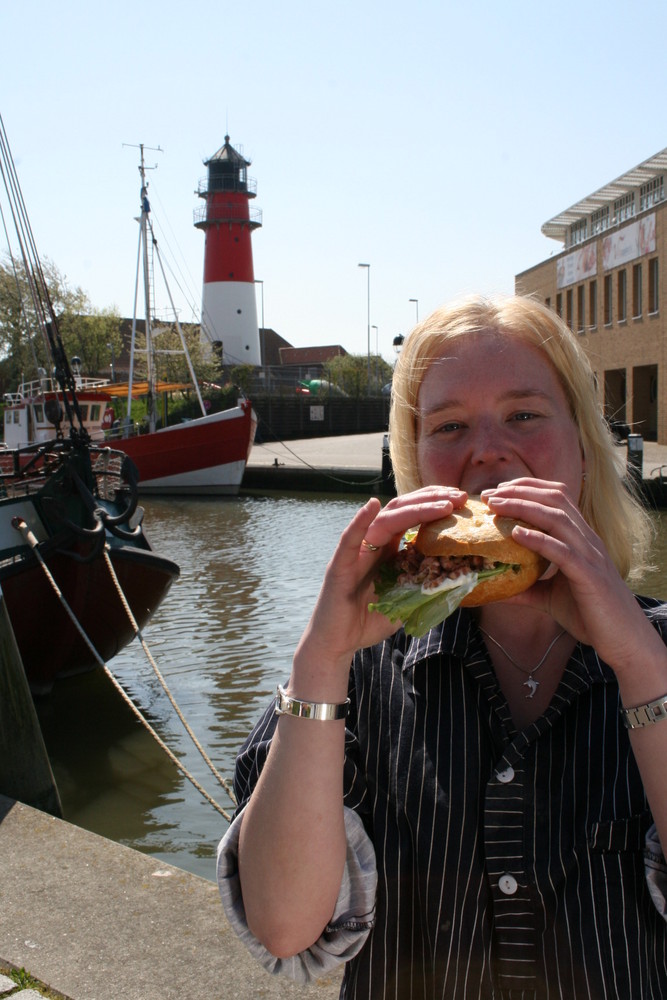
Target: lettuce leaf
{"points": [[419, 610]]}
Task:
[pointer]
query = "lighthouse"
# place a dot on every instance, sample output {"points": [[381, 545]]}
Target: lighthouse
{"points": [[229, 306]]}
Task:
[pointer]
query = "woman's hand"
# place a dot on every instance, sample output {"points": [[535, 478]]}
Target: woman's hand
{"points": [[583, 591], [341, 622]]}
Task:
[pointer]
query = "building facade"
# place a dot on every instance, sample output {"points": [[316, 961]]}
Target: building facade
{"points": [[609, 283]]}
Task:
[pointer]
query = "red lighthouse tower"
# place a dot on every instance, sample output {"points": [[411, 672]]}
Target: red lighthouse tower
{"points": [[229, 305]]}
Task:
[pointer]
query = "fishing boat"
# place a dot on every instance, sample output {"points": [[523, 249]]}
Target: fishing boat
{"points": [[77, 573], [204, 455]]}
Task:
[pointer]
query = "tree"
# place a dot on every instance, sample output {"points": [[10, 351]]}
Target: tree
{"points": [[23, 347], [350, 373], [93, 337], [170, 362]]}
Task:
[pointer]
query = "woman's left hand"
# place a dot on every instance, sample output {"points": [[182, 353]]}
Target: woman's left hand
{"points": [[583, 590]]}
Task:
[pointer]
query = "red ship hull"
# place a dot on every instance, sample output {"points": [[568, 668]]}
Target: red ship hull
{"points": [[58, 649], [207, 455]]}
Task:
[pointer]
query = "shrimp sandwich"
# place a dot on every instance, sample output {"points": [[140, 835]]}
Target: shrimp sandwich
{"points": [[469, 558]]}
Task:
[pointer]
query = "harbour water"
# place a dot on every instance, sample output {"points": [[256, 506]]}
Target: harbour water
{"points": [[223, 639]]}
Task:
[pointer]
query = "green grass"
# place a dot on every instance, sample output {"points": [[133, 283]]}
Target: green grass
{"points": [[24, 981]]}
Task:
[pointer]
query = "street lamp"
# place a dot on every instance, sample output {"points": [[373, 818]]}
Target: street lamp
{"points": [[416, 302], [377, 355], [368, 314]]}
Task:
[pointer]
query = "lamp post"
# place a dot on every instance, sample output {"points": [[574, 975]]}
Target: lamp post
{"points": [[377, 356], [416, 302], [368, 316]]}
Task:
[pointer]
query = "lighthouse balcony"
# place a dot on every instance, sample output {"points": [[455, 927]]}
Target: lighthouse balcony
{"points": [[211, 214], [227, 182]]}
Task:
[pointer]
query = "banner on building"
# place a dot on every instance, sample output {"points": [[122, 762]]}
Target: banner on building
{"points": [[577, 266], [629, 243]]}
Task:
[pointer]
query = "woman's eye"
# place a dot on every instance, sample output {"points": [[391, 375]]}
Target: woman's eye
{"points": [[523, 415], [451, 425]]}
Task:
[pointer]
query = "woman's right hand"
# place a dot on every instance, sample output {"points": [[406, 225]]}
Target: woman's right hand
{"points": [[341, 622]]}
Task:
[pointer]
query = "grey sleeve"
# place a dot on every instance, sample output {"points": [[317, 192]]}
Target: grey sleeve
{"points": [[350, 924]]}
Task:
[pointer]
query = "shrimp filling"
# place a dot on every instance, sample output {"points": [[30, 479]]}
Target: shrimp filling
{"points": [[433, 573]]}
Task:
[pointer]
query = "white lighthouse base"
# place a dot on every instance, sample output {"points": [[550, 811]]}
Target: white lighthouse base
{"points": [[229, 316]]}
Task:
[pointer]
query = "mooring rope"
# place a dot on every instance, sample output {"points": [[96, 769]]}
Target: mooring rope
{"points": [[137, 631], [22, 527]]}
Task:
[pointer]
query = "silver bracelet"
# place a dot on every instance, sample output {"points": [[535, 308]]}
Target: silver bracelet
{"points": [[322, 711], [645, 715]]}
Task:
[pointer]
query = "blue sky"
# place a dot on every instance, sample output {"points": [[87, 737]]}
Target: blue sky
{"points": [[429, 139]]}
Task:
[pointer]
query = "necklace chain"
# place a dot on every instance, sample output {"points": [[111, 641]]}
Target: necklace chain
{"points": [[532, 683]]}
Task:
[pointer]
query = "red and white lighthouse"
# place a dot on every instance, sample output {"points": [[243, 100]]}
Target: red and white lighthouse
{"points": [[229, 305]]}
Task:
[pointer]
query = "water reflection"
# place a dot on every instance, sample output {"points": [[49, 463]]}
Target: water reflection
{"points": [[250, 571]]}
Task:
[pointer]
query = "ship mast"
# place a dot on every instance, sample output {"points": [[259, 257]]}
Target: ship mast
{"points": [[143, 267]]}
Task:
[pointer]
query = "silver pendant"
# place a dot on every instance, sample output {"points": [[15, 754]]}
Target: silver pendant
{"points": [[532, 686]]}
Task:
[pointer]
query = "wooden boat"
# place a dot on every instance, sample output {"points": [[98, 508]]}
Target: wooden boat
{"points": [[75, 563], [71, 537]]}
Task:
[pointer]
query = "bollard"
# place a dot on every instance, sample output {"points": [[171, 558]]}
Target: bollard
{"points": [[635, 460], [387, 470]]}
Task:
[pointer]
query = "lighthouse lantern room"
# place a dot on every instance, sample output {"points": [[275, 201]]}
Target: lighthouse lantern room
{"points": [[229, 305]]}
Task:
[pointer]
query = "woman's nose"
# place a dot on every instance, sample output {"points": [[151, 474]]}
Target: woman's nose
{"points": [[489, 443]]}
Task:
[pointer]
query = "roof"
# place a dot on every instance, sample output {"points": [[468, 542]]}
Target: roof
{"points": [[141, 388], [557, 227], [227, 152]]}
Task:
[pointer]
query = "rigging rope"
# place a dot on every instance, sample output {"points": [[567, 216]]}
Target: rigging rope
{"points": [[29, 537]]}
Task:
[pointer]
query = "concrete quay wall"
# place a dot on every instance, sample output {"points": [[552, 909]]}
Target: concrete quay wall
{"points": [[98, 921]]}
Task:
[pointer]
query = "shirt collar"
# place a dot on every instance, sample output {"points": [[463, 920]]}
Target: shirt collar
{"points": [[451, 638], [459, 631]]}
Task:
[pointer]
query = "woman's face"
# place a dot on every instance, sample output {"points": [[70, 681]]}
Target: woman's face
{"points": [[491, 409]]}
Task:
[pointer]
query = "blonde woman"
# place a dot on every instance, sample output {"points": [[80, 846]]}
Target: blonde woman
{"points": [[467, 814]]}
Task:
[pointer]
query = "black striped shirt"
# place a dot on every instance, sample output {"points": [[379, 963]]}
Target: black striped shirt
{"points": [[510, 864]]}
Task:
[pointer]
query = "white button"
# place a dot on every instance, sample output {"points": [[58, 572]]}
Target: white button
{"points": [[508, 884], [506, 775]]}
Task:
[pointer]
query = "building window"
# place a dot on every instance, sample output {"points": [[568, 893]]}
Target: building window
{"points": [[581, 310], [593, 304], [547, 302], [653, 273], [636, 291], [624, 208], [568, 307], [651, 193], [607, 300], [559, 304], [600, 220], [622, 296], [578, 232]]}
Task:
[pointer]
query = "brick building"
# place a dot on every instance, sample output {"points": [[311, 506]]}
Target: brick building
{"points": [[608, 283]]}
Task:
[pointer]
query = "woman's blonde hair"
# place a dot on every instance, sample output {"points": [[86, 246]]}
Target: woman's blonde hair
{"points": [[608, 503]]}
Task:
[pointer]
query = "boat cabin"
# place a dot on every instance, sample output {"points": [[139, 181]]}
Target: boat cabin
{"points": [[34, 411]]}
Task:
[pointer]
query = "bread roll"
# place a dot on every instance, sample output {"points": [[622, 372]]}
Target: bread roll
{"points": [[475, 530]]}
